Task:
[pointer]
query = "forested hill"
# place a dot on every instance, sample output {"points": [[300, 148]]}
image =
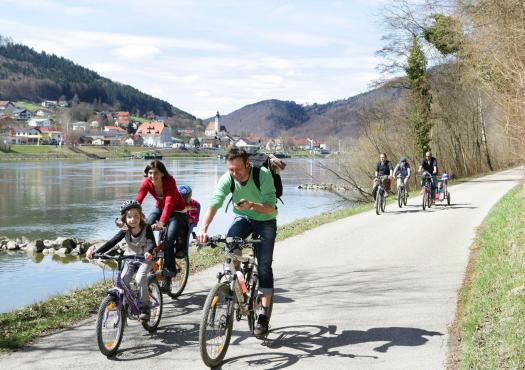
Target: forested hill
{"points": [[29, 75]]}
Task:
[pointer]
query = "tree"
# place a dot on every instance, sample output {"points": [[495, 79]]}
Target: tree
{"points": [[421, 97]]}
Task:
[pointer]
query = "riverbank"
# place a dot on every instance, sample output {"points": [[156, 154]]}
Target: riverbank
{"points": [[86, 152], [23, 325], [490, 320]]}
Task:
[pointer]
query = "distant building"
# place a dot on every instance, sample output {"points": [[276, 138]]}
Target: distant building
{"points": [[115, 129], [39, 122], [122, 119], [6, 105], [21, 114], [44, 113], [51, 135], [249, 146], [50, 103], [154, 134], [79, 126], [214, 128]]}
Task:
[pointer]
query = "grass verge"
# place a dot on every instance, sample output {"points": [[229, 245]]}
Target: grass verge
{"points": [[489, 331]]}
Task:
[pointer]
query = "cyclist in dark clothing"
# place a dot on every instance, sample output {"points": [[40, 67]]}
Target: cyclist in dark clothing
{"points": [[429, 164], [383, 172]]}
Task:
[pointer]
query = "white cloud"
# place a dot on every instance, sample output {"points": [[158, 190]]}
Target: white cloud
{"points": [[128, 52]]}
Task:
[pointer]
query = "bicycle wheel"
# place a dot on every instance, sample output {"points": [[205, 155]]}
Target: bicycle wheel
{"points": [[216, 325], [400, 196], [383, 201], [110, 326], [155, 299], [178, 283], [448, 198], [255, 305], [405, 197], [424, 199]]}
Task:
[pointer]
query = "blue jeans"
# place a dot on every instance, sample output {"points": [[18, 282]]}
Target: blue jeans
{"points": [[175, 236], [267, 230]]}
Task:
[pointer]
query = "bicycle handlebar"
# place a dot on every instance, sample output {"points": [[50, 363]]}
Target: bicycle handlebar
{"points": [[232, 242], [119, 257]]}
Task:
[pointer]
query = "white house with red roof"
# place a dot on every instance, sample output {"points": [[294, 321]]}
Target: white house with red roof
{"points": [[155, 134], [122, 119], [115, 129]]}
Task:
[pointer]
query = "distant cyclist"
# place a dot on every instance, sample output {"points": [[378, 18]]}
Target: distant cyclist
{"points": [[429, 164], [383, 172], [402, 173]]}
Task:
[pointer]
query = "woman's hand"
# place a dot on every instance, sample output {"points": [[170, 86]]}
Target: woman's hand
{"points": [[158, 226], [90, 252]]}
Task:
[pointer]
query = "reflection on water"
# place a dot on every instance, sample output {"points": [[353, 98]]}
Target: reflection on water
{"points": [[51, 199], [23, 282]]}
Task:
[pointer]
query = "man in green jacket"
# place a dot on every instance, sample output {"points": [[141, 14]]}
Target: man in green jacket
{"points": [[255, 214]]}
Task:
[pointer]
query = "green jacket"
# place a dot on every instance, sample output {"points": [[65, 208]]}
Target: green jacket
{"points": [[250, 192]]}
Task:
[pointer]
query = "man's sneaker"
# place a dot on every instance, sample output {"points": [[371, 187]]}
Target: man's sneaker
{"points": [[261, 328], [144, 313]]}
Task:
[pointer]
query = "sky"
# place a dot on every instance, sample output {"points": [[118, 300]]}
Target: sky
{"points": [[204, 56]]}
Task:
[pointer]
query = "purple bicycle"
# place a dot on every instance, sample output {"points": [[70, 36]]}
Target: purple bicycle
{"points": [[121, 303]]}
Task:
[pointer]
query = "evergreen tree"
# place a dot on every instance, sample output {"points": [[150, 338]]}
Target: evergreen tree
{"points": [[421, 98]]}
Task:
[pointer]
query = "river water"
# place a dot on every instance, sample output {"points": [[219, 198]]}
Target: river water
{"points": [[81, 199]]}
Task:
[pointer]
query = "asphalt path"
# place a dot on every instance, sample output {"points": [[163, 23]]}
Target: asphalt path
{"points": [[365, 292]]}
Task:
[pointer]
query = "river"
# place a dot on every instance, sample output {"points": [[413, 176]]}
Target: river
{"points": [[81, 199]]}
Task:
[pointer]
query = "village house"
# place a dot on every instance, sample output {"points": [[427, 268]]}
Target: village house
{"points": [[46, 113], [122, 119], [6, 105], [79, 126], [132, 140], [250, 146], [116, 129], [51, 136], [27, 136], [39, 122], [155, 134], [21, 114], [49, 103]]}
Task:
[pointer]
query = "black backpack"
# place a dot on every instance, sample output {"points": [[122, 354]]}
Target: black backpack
{"points": [[258, 161]]}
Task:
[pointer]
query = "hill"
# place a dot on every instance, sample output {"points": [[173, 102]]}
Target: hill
{"points": [[277, 117], [32, 76]]}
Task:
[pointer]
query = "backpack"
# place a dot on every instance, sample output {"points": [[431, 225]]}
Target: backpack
{"points": [[257, 161]]}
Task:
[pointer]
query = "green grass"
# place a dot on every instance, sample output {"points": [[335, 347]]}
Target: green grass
{"points": [[492, 320], [23, 325], [33, 149], [32, 107]]}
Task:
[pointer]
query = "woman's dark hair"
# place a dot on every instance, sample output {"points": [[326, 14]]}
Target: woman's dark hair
{"points": [[158, 165], [235, 153]]}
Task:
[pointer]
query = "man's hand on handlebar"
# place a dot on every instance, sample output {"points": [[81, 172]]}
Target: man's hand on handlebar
{"points": [[201, 236]]}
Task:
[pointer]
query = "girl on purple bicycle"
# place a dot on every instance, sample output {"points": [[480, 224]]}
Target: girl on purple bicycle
{"points": [[140, 241]]}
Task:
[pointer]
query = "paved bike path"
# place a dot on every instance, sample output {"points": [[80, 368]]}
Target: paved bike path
{"points": [[365, 292]]}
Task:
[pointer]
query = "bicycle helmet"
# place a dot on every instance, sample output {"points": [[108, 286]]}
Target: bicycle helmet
{"points": [[129, 204], [403, 159], [444, 176], [185, 191]]}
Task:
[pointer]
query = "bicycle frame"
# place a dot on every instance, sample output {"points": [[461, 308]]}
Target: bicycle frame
{"points": [[122, 293], [249, 269]]}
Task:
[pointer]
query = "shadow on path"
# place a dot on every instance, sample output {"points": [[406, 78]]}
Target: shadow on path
{"points": [[316, 340]]}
